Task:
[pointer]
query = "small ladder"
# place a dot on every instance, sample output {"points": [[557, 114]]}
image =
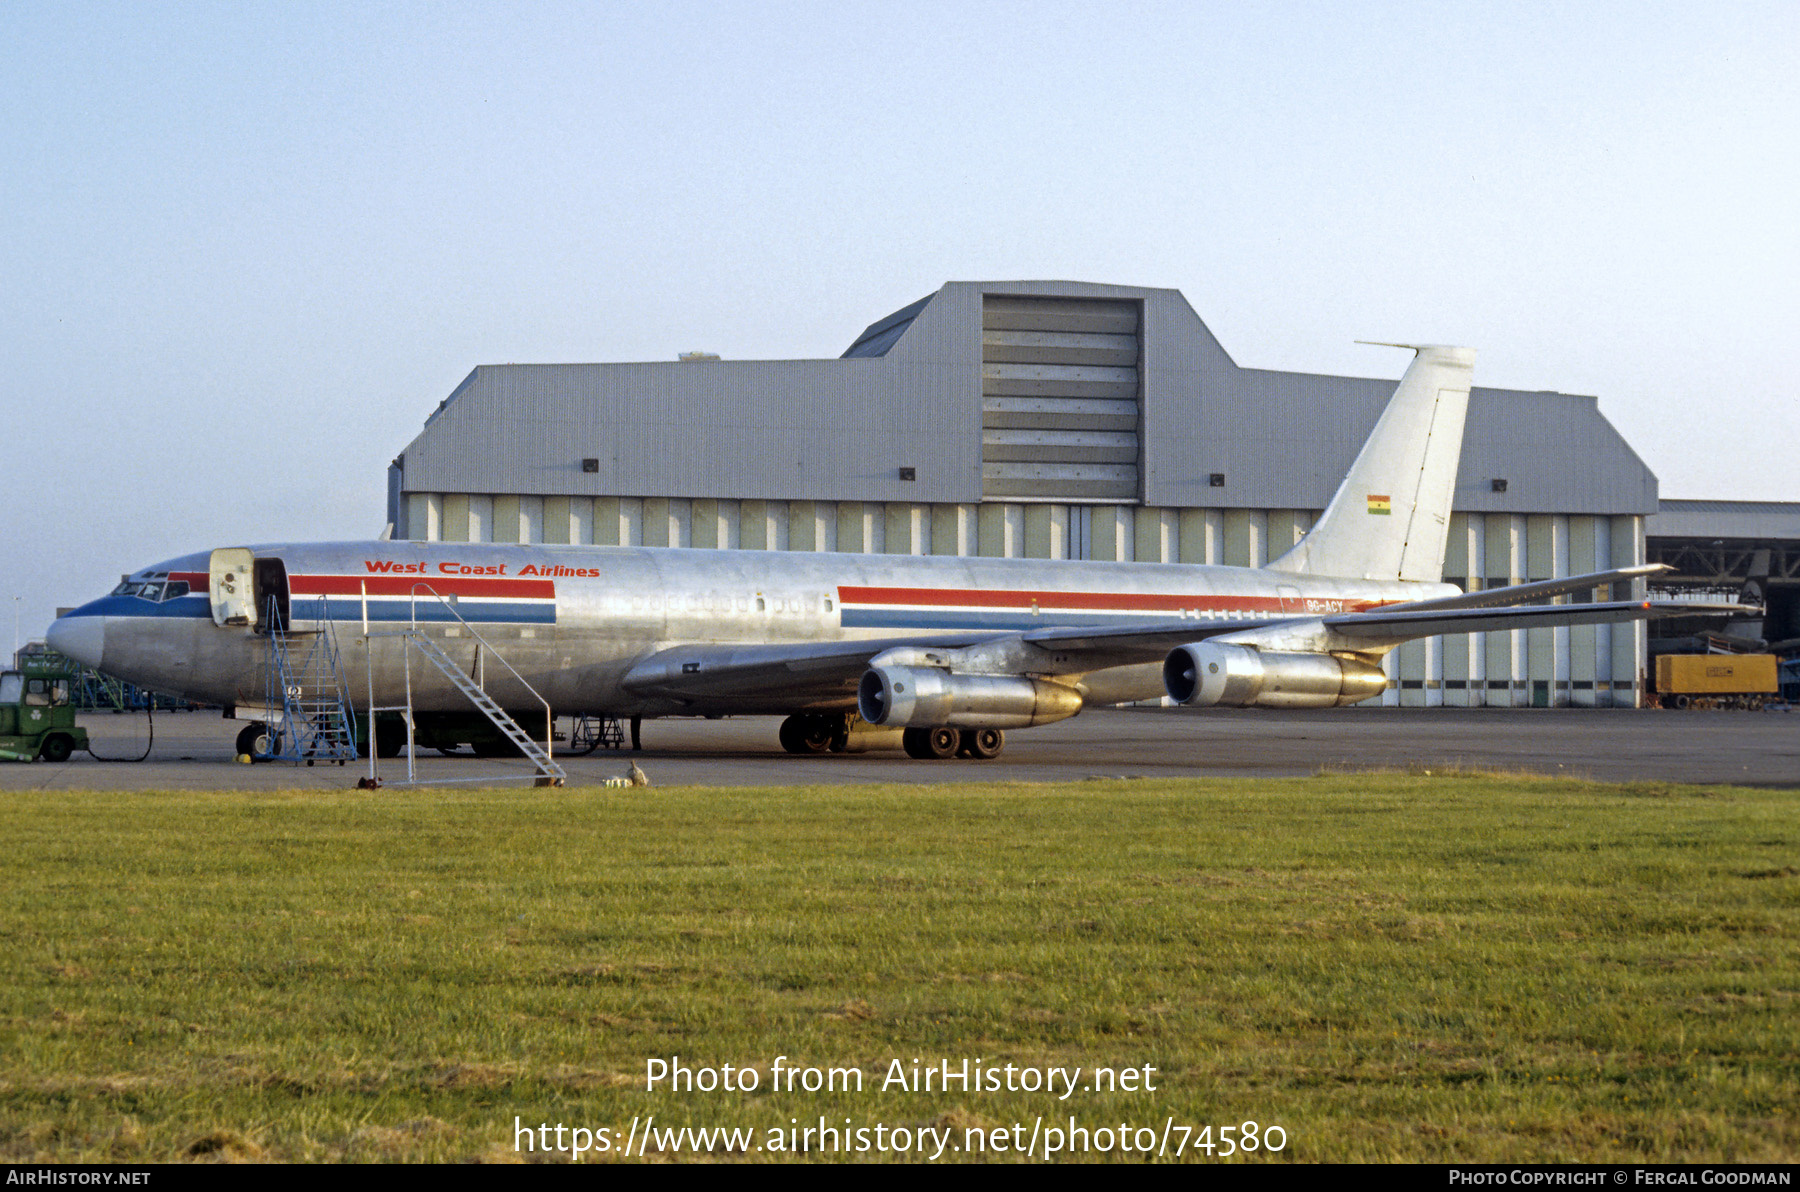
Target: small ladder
{"points": [[307, 696], [596, 732]]}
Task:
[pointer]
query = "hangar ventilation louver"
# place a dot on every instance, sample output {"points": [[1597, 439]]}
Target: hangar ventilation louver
{"points": [[1059, 399]]}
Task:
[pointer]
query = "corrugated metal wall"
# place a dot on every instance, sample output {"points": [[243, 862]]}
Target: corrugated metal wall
{"points": [[922, 421], [1583, 666]]}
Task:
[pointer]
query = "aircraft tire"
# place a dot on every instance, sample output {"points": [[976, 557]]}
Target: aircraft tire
{"points": [[246, 738], [984, 744], [259, 741], [56, 748], [931, 744], [806, 734]]}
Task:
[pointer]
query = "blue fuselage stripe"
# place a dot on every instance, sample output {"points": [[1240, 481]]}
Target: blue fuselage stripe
{"points": [[348, 608], [137, 606]]}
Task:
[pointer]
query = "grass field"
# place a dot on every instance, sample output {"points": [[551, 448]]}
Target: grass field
{"points": [[1388, 967]]}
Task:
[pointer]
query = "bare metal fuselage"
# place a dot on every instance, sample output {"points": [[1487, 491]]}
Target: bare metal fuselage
{"points": [[594, 613]]}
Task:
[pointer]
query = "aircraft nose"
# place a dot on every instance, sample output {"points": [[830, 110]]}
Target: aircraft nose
{"points": [[80, 638]]}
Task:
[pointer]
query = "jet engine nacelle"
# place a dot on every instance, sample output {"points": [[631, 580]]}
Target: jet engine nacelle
{"points": [[1218, 674], [929, 697]]}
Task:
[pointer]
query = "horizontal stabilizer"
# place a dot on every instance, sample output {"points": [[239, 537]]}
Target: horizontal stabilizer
{"points": [[1406, 623], [1379, 629], [1525, 593]]}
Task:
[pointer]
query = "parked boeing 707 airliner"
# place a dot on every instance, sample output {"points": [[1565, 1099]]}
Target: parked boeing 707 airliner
{"points": [[950, 650]]}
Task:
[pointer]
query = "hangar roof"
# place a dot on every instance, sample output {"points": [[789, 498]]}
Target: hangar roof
{"points": [[909, 393]]}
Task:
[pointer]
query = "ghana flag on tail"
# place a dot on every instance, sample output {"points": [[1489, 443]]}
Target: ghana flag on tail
{"points": [[1380, 504]]}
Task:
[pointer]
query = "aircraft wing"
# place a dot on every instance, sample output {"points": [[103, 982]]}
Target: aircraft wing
{"points": [[787, 675]]}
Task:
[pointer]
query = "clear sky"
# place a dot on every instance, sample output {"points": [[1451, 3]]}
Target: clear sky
{"points": [[246, 249]]}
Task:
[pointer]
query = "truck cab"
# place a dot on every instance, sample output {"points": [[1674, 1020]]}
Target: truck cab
{"points": [[36, 719]]}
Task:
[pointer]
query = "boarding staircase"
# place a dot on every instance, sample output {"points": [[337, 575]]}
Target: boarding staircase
{"points": [[536, 752], [307, 696], [546, 771]]}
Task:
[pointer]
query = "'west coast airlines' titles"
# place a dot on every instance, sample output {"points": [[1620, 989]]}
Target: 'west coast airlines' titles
{"points": [[389, 567]]}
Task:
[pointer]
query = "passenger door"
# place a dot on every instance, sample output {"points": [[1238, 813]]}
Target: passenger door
{"points": [[233, 586]]}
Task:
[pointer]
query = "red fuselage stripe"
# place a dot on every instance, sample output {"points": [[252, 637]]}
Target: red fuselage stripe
{"points": [[1125, 601]]}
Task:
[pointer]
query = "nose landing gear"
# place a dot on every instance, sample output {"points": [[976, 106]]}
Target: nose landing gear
{"points": [[259, 741]]}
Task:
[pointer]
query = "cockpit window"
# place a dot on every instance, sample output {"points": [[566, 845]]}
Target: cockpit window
{"points": [[153, 589]]}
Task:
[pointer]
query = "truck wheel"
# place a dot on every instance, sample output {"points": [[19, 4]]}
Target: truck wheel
{"points": [[56, 748]]}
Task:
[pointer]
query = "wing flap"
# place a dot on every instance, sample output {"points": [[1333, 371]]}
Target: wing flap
{"points": [[803, 672], [1145, 641]]}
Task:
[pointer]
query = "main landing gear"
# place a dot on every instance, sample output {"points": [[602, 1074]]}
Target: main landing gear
{"points": [[984, 744], [814, 733]]}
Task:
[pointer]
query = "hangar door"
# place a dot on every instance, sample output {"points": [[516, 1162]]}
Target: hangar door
{"points": [[1059, 399]]}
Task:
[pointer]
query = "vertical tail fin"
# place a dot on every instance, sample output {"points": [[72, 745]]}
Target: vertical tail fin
{"points": [[1391, 516]]}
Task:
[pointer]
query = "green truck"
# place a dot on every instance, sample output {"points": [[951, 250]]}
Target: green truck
{"points": [[36, 718]]}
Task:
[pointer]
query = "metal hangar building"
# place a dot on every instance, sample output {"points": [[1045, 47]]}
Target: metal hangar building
{"points": [[1054, 420]]}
